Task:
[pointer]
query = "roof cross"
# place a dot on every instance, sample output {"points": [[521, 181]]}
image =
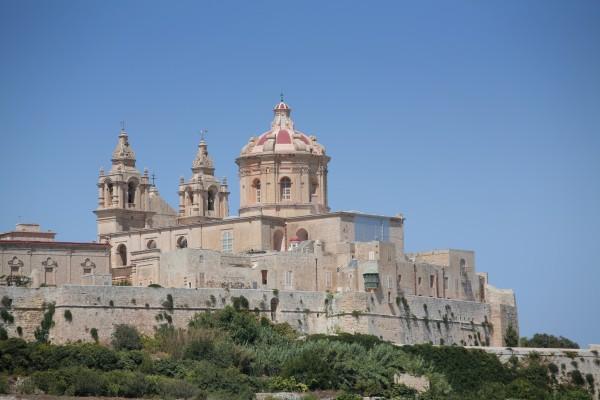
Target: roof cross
{"points": [[203, 132]]}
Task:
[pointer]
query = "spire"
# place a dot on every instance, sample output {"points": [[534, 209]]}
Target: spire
{"points": [[123, 154], [203, 164]]}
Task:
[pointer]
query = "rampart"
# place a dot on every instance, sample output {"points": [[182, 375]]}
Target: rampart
{"points": [[409, 319]]}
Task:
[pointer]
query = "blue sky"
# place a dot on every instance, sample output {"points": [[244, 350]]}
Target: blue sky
{"points": [[480, 121]]}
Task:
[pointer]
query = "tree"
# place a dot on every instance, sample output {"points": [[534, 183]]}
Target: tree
{"points": [[511, 338], [544, 340]]}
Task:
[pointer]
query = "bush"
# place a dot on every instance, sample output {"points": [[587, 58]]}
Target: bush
{"points": [[6, 301], [43, 331], [94, 334], [7, 316], [3, 333], [544, 340], [126, 337], [3, 384], [511, 339], [240, 303]]}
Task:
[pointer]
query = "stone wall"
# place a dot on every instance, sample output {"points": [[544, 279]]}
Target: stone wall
{"points": [[586, 361], [411, 319]]}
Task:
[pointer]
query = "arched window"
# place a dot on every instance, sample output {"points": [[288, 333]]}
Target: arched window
{"points": [[302, 234], [151, 244], [181, 242], [210, 203], [286, 188], [109, 194], [463, 266], [121, 255], [131, 186], [277, 240], [257, 193]]}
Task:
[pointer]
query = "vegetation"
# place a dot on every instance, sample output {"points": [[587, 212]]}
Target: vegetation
{"points": [[126, 337], [68, 316], [511, 338], [232, 354], [543, 340]]}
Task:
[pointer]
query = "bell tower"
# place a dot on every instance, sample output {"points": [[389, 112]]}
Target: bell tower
{"points": [[123, 192], [203, 197]]}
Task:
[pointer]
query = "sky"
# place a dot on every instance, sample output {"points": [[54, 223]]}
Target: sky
{"points": [[479, 121]]}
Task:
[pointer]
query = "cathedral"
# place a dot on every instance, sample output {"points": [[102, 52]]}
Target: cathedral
{"points": [[285, 236], [335, 270]]}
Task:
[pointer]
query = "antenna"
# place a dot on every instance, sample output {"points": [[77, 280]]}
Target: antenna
{"points": [[123, 125]]}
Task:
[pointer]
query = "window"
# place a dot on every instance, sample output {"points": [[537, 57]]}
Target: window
{"points": [[446, 283], [286, 188], [87, 271], [121, 255], [263, 274], [151, 244], [227, 241], [399, 279], [389, 282], [419, 281], [371, 255], [288, 279], [181, 242], [257, 190], [131, 193], [431, 280], [211, 200]]}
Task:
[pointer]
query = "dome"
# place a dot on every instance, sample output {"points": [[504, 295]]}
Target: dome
{"points": [[282, 137]]}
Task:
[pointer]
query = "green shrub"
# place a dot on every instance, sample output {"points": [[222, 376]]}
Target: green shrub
{"points": [[168, 303], [577, 377], [544, 340], [126, 337], [43, 331], [6, 301], [240, 303], [94, 334], [3, 333], [154, 285], [68, 316], [7, 317], [281, 384], [511, 339], [3, 384]]}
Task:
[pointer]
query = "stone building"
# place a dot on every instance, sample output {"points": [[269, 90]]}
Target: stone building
{"points": [[285, 236], [31, 257]]}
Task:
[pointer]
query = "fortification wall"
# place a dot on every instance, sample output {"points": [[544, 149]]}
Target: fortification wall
{"points": [[414, 319], [586, 361]]}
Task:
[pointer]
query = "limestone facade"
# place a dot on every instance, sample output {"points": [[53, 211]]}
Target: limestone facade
{"points": [[31, 257]]}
